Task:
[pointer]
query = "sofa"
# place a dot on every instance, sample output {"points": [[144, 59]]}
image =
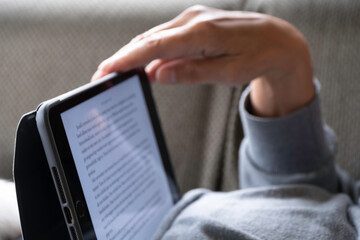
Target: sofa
{"points": [[51, 47]]}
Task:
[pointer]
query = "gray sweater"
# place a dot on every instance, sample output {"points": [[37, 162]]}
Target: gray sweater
{"points": [[291, 187]]}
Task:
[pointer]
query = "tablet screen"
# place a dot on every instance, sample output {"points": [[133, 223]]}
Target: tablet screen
{"points": [[118, 162]]}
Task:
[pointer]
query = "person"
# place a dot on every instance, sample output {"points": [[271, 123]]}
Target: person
{"points": [[291, 187]]}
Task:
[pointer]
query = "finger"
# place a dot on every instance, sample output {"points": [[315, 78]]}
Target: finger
{"points": [[176, 22], [152, 67], [150, 70], [161, 27], [97, 75], [181, 42], [225, 70], [183, 18]]}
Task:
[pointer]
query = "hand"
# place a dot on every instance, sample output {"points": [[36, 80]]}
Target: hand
{"points": [[206, 45]]}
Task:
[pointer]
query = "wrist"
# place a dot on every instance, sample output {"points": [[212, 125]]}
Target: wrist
{"points": [[287, 82]]}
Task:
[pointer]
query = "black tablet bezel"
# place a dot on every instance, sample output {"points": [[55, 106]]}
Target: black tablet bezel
{"points": [[64, 150]]}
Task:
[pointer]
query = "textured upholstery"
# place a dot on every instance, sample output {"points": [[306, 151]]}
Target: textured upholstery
{"points": [[50, 47]]}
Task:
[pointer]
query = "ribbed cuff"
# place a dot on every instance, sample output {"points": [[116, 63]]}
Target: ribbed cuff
{"points": [[299, 144]]}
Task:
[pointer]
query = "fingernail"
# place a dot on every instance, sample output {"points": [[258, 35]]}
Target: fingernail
{"points": [[96, 76]]}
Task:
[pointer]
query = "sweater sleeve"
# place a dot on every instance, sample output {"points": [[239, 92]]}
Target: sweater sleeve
{"points": [[295, 149]]}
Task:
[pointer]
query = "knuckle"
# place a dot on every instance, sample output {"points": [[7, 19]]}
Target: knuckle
{"points": [[200, 27], [195, 10], [154, 42], [138, 37], [206, 29], [207, 26]]}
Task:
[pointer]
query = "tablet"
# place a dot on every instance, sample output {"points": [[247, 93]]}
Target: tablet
{"points": [[108, 158]]}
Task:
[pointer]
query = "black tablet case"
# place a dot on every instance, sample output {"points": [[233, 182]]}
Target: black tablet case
{"points": [[40, 210]]}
